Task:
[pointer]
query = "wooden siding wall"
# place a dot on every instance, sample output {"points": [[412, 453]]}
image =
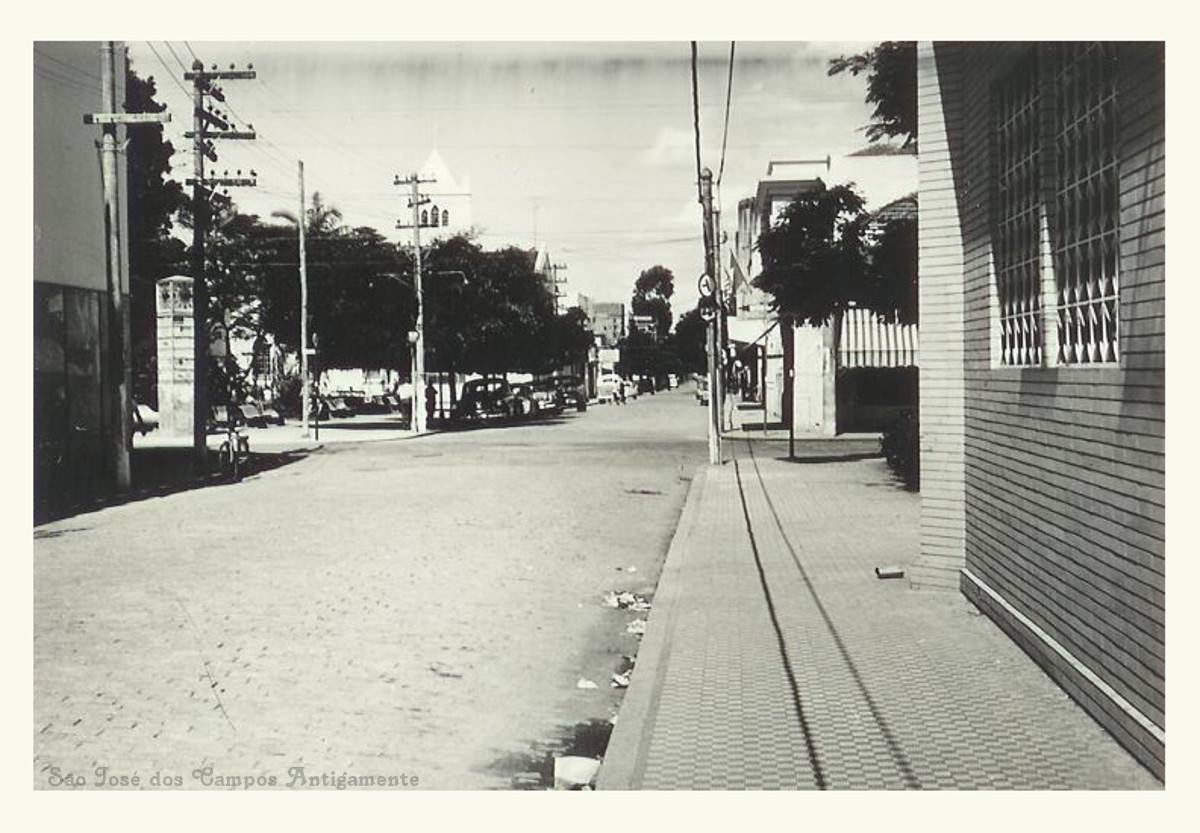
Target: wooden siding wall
{"points": [[940, 263], [1065, 466]]}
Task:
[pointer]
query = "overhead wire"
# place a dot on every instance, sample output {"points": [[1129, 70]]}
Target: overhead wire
{"points": [[175, 55], [696, 118], [170, 72], [728, 100]]}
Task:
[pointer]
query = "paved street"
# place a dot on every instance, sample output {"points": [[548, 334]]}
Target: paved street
{"points": [[421, 609]]}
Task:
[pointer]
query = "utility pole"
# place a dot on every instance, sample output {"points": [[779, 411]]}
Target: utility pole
{"points": [[415, 201], [202, 86], [714, 325], [722, 334], [303, 307], [118, 311]]}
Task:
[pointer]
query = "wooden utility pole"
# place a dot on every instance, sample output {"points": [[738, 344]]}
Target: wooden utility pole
{"points": [[415, 201], [301, 222], [118, 311], [202, 85], [714, 326]]}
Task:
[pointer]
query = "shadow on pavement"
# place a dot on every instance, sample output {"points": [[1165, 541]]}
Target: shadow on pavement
{"points": [[158, 472], [534, 770], [476, 425], [844, 457]]}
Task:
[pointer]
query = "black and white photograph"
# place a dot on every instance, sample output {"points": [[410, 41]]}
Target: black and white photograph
{"points": [[597, 415]]}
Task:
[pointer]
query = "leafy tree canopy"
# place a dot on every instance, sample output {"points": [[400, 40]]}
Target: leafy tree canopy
{"points": [[891, 69], [652, 293], [814, 257]]}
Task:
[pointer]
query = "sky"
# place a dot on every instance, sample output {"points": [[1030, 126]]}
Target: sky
{"points": [[585, 148]]}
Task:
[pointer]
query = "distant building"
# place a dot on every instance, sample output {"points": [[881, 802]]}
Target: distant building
{"points": [[608, 322], [645, 324], [553, 276], [448, 211], [73, 385], [1043, 305], [869, 388]]}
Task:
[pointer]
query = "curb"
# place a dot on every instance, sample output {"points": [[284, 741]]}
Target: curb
{"points": [[625, 758]]}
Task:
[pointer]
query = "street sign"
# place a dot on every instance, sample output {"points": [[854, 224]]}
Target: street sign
{"points": [[706, 285], [708, 313]]}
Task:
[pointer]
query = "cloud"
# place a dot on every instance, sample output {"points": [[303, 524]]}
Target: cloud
{"points": [[671, 148]]}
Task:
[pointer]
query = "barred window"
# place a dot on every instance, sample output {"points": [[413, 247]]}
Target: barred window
{"points": [[1017, 224], [1087, 207]]}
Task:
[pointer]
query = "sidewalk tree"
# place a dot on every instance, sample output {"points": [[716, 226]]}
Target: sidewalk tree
{"points": [[891, 69], [815, 258]]}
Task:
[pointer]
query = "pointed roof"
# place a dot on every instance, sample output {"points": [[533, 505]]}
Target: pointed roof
{"points": [[435, 168]]}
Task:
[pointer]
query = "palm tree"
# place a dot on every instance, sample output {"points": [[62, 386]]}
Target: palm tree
{"points": [[323, 218]]}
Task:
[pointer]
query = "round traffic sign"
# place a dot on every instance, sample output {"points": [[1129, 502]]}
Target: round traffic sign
{"points": [[708, 313], [706, 285]]}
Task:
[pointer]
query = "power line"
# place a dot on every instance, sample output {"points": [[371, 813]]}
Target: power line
{"points": [[170, 72], [696, 116], [195, 57], [95, 79], [728, 99], [46, 74], [175, 55]]}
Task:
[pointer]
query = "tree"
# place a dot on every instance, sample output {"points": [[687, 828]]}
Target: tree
{"points": [[154, 201], [688, 342], [891, 279], [815, 256], [891, 69], [652, 293]]}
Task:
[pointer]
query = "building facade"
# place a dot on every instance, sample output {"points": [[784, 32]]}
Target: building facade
{"points": [[73, 380], [841, 381], [1043, 297]]}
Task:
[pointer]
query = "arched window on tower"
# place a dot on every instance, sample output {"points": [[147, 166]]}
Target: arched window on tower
{"points": [[445, 217], [433, 216], [425, 217]]}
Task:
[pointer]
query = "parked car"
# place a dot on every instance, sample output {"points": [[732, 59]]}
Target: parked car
{"points": [[272, 416], [573, 393], [485, 399], [252, 415], [547, 398], [376, 405], [523, 401], [318, 408], [608, 386], [339, 407]]}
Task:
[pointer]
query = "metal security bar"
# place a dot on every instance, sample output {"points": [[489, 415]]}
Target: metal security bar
{"points": [[1017, 229], [1087, 203]]}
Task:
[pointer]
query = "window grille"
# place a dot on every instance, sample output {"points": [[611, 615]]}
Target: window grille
{"points": [[1017, 227], [425, 216], [1086, 203], [445, 217], [433, 216]]}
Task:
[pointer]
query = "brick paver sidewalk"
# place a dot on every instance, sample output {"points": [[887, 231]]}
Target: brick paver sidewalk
{"points": [[774, 658]]}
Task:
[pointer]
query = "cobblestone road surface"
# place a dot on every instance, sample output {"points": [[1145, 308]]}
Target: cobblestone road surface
{"points": [[420, 608]]}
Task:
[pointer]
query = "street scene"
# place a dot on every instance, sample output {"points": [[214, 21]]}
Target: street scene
{"points": [[599, 416]]}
